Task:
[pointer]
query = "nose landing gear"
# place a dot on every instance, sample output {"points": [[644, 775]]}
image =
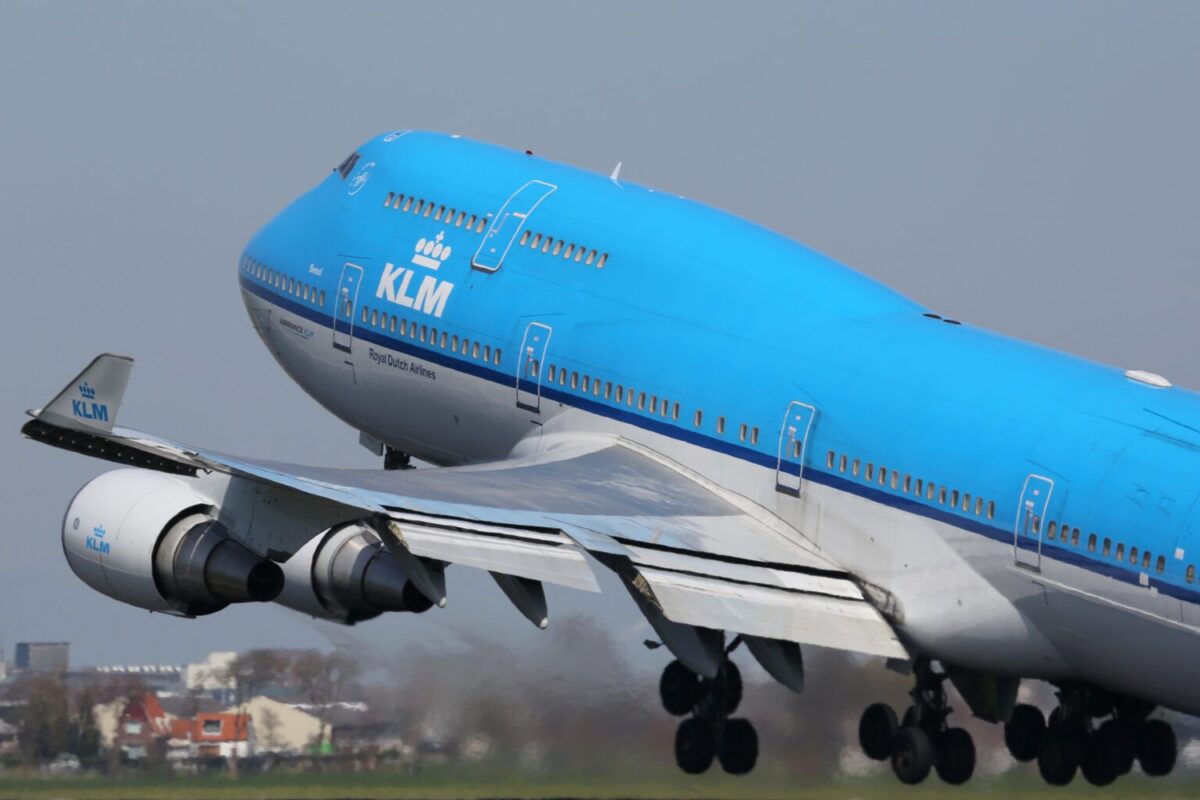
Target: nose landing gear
{"points": [[922, 741], [708, 733]]}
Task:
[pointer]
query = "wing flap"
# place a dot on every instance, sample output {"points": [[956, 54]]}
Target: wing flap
{"points": [[773, 613]]}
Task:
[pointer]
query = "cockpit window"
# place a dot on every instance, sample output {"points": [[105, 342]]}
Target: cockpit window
{"points": [[347, 165]]}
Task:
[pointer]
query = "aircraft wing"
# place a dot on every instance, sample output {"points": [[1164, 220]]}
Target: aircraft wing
{"points": [[685, 548]]}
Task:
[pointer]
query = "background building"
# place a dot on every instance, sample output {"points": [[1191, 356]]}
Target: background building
{"points": [[42, 656]]}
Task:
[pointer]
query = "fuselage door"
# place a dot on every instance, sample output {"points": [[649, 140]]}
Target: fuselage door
{"points": [[1031, 516], [507, 225], [345, 305], [531, 362], [793, 439]]}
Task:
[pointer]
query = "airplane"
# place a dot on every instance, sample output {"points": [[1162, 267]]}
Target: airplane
{"points": [[766, 448]]}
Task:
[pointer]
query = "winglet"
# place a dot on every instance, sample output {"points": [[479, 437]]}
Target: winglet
{"points": [[90, 402]]}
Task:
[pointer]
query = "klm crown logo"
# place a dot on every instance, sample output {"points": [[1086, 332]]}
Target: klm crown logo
{"points": [[430, 253], [96, 542], [88, 408]]}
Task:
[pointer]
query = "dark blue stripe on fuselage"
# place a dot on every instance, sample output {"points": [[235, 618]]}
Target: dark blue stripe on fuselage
{"points": [[906, 503]]}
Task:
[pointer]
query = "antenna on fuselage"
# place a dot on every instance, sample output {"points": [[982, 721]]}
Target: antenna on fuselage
{"points": [[616, 173]]}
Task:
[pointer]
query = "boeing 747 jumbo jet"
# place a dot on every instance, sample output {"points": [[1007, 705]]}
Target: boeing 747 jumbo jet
{"points": [[767, 448]]}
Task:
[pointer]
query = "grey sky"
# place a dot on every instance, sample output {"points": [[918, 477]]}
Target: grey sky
{"points": [[1028, 167]]}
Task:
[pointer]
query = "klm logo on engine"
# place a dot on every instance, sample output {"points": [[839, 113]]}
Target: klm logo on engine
{"points": [[96, 541], [88, 408], [395, 285]]}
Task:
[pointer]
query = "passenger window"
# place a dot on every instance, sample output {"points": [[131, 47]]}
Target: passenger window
{"points": [[1191, 573], [322, 297], [920, 487], [870, 471], [742, 432], [394, 324], [546, 244], [569, 251], [829, 459], [842, 464], [574, 380], [675, 415], [1107, 546], [364, 314], [479, 227], [419, 208], [942, 495], [1120, 551], [441, 210], [1146, 559], [475, 350], [487, 352], [608, 390], [525, 237], [471, 222], [428, 209], [408, 201], [653, 404], [424, 330], [557, 247], [883, 473], [1075, 537], [454, 343], [496, 360], [586, 384], [966, 503], [930, 490], [1133, 553], [721, 425], [388, 201], [404, 327], [578, 255], [854, 468], [978, 506], [954, 499], [641, 401], [537, 240], [1092, 543], [596, 387], [699, 417], [443, 344], [1052, 530], [600, 263]]}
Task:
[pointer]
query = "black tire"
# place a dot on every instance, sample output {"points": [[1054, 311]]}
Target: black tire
{"points": [[909, 720], [912, 755], [1121, 733], [877, 731], [1024, 731], [954, 756], [725, 689], [1058, 757], [1156, 748], [695, 746], [1101, 758], [738, 749], [680, 689]]}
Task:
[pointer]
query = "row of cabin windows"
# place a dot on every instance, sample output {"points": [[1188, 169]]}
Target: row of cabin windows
{"points": [[427, 208], [299, 289], [425, 334], [628, 396], [918, 487], [1071, 535], [568, 250]]}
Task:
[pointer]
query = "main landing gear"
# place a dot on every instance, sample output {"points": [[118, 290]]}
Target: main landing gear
{"points": [[708, 733], [1074, 740], [922, 740]]}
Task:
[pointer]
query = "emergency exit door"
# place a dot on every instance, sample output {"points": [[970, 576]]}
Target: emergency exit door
{"points": [[531, 363], [1031, 515], [508, 223], [793, 439]]}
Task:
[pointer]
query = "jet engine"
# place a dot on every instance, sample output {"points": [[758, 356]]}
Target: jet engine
{"points": [[150, 540], [347, 575]]}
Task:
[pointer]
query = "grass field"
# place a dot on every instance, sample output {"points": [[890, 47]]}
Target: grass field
{"points": [[470, 785]]}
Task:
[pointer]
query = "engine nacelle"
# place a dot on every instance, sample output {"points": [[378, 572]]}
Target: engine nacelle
{"points": [[347, 575], [149, 540]]}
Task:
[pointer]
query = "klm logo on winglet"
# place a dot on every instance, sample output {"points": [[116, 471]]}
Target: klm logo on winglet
{"points": [[87, 408], [432, 294], [96, 541]]}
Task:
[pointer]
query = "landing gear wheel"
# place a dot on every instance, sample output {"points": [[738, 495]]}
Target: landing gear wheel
{"points": [[1120, 733], [912, 755], [1101, 758], [1024, 731], [680, 689], [726, 689], [877, 731], [1058, 756], [695, 746], [954, 756], [738, 750], [1156, 748]]}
